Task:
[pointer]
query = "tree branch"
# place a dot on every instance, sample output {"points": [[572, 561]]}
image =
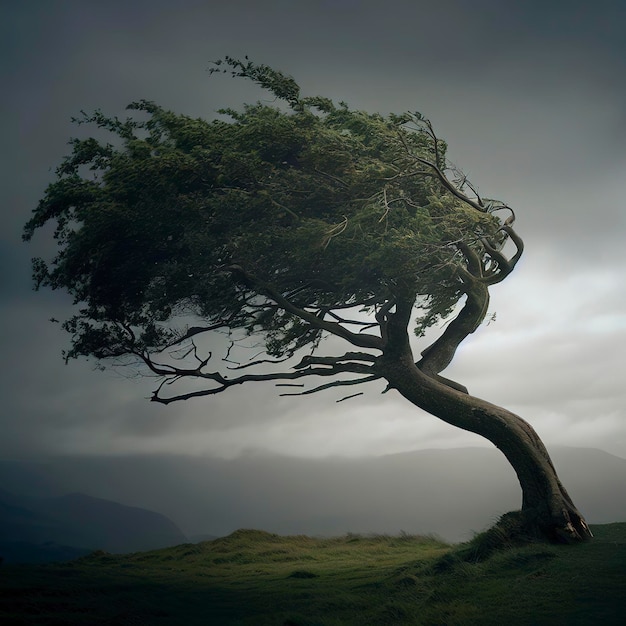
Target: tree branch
{"points": [[335, 383], [258, 362], [505, 266], [361, 340], [474, 264], [439, 354], [311, 359], [330, 366], [519, 245], [426, 127]]}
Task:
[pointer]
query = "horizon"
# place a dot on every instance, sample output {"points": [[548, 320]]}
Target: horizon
{"points": [[451, 492], [260, 453]]}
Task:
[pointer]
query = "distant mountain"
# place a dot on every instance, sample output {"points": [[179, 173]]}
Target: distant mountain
{"points": [[451, 493], [25, 552], [36, 529]]}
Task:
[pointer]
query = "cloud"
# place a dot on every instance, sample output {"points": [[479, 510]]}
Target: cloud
{"points": [[527, 99]]}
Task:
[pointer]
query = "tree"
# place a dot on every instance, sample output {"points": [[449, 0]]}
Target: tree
{"points": [[294, 223]]}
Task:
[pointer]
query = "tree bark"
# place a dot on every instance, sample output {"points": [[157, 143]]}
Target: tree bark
{"points": [[546, 506]]}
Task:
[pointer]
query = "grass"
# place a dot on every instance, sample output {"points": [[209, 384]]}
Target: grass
{"points": [[256, 578]]}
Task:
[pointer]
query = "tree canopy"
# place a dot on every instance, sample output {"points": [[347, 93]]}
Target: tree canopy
{"points": [[288, 220]]}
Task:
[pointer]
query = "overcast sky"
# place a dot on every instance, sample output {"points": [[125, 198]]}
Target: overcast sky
{"points": [[531, 100]]}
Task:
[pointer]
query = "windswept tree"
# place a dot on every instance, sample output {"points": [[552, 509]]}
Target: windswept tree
{"points": [[290, 223]]}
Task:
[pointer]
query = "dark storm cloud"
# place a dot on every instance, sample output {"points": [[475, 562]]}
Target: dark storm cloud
{"points": [[531, 100]]}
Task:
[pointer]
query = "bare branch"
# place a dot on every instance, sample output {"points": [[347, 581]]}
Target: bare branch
{"points": [[259, 362], [327, 367], [450, 186], [462, 181], [354, 395], [360, 340], [425, 126], [335, 383]]}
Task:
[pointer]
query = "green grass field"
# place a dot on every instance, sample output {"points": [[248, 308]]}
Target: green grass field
{"points": [[252, 577]]}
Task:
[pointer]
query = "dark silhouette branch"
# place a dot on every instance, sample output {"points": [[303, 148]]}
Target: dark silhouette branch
{"points": [[223, 383], [352, 395], [310, 359], [328, 366], [360, 340], [258, 362], [335, 383], [505, 266]]}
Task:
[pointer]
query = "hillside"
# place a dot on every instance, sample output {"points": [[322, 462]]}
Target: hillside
{"points": [[449, 492], [42, 529], [256, 578]]}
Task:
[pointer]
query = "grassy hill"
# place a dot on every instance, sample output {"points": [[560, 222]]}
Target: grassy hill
{"points": [[252, 577]]}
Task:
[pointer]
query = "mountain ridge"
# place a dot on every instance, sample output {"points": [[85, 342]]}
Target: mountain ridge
{"points": [[451, 492], [41, 529]]}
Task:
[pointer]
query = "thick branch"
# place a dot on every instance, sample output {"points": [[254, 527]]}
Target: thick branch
{"points": [[439, 355], [474, 264], [361, 340], [546, 506], [505, 266], [311, 359]]}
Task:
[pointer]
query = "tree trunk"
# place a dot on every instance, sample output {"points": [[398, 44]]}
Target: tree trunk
{"points": [[546, 505]]}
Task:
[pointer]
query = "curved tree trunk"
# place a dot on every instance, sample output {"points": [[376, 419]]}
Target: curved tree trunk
{"points": [[546, 505]]}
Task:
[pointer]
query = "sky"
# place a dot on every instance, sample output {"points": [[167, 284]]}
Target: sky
{"points": [[531, 99]]}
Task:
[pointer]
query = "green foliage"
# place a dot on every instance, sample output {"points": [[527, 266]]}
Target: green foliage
{"points": [[327, 205], [254, 577]]}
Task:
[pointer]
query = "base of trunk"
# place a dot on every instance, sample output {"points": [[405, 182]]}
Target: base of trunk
{"points": [[559, 524], [547, 510], [519, 528]]}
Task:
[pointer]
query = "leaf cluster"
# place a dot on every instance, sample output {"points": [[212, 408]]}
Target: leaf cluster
{"points": [[330, 207]]}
